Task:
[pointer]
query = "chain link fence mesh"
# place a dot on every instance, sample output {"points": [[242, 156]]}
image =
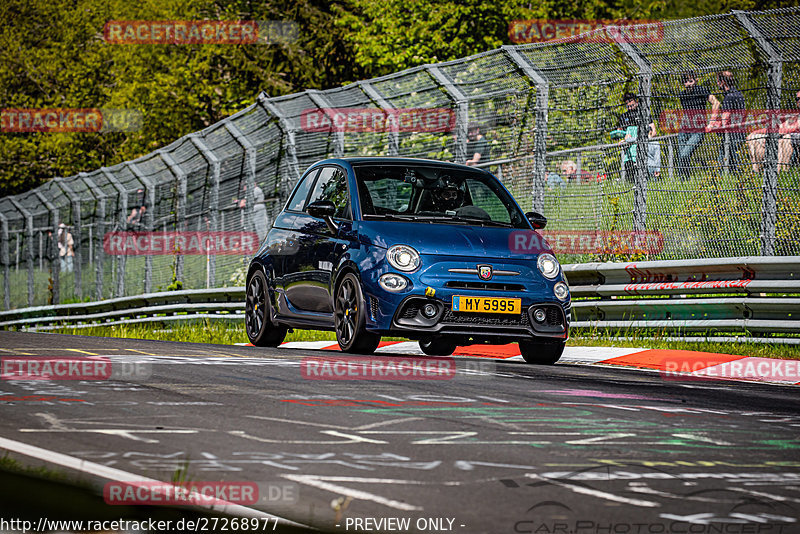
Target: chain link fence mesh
{"points": [[552, 115]]}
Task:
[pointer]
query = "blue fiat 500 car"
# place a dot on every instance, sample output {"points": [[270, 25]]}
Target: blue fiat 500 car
{"points": [[436, 252]]}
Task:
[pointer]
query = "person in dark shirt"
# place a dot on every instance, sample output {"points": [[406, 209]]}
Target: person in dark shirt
{"points": [[693, 101], [627, 128], [732, 102], [630, 117], [477, 147]]}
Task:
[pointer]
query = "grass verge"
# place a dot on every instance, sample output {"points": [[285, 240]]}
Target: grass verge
{"points": [[227, 334]]}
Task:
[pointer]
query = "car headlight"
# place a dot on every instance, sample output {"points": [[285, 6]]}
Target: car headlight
{"points": [[403, 258], [548, 265], [393, 282], [561, 291]]}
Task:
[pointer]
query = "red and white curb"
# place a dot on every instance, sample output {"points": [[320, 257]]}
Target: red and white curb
{"points": [[672, 364]]}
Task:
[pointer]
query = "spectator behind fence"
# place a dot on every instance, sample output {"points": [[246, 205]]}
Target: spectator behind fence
{"points": [[136, 218], [693, 100], [66, 248], [569, 170], [789, 130], [477, 147], [554, 180], [626, 130], [732, 101], [259, 209], [653, 154]]}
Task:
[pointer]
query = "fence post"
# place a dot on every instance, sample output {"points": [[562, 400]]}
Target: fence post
{"points": [[55, 263], [101, 229], [393, 136], [4, 261], [321, 101], [462, 111], [180, 209], [29, 236], [149, 215], [213, 208], [287, 126], [540, 142], [670, 158], [645, 75], [250, 169], [121, 259], [75, 205], [769, 199]]}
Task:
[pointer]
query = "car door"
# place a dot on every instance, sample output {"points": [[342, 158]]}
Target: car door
{"points": [[319, 247], [283, 238]]}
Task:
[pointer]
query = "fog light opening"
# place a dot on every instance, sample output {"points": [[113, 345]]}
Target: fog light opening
{"points": [[539, 315], [429, 310]]}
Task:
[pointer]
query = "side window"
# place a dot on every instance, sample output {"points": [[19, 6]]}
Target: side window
{"points": [[298, 200], [487, 200], [387, 195], [332, 185]]}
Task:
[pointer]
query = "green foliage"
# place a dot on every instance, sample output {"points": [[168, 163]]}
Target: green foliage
{"points": [[53, 55]]}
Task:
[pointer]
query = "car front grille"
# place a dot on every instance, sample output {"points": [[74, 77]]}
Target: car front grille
{"points": [[487, 319], [411, 310], [373, 308], [485, 286], [553, 316]]}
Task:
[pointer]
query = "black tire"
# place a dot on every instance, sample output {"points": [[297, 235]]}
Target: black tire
{"points": [[438, 346], [349, 318], [261, 331], [541, 353]]}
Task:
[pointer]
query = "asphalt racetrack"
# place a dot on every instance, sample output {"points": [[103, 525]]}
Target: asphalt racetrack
{"points": [[497, 446]]}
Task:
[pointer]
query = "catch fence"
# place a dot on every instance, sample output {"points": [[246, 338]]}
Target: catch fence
{"points": [[552, 115]]}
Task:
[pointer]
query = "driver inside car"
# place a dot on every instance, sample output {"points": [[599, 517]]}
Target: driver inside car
{"points": [[448, 196]]}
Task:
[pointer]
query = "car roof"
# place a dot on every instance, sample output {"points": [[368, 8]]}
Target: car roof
{"points": [[401, 161]]}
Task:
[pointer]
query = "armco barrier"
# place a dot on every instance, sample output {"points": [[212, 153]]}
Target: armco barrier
{"points": [[226, 303], [758, 295], [729, 295]]}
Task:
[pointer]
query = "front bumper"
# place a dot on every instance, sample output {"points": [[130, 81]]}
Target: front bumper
{"points": [[410, 321]]}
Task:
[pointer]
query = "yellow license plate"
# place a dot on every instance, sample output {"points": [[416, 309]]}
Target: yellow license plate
{"points": [[486, 304]]}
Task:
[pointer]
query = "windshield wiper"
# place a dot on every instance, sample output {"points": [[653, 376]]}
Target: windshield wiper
{"points": [[402, 217], [481, 221], [443, 218], [415, 217]]}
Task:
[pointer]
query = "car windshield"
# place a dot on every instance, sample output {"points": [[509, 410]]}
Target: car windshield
{"points": [[428, 193]]}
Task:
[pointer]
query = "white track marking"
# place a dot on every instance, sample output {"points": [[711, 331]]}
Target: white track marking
{"points": [[117, 475], [594, 493], [324, 483], [595, 354]]}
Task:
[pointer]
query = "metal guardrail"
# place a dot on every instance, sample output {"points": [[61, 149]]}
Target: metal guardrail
{"points": [[743, 295], [225, 303], [755, 295]]}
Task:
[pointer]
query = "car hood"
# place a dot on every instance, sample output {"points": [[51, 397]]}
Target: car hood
{"points": [[455, 239]]}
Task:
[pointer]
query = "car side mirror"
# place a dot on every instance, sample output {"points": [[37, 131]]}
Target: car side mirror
{"points": [[323, 209], [537, 220]]}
